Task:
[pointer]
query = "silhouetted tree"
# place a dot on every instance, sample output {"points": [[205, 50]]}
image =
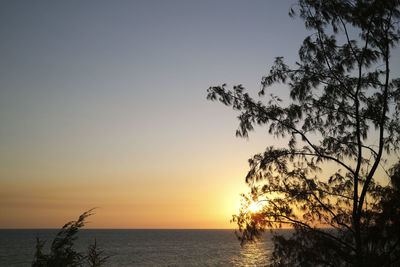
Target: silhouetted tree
{"points": [[342, 100], [62, 251], [95, 256]]}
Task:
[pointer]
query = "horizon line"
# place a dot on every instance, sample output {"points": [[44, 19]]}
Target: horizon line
{"points": [[137, 229]]}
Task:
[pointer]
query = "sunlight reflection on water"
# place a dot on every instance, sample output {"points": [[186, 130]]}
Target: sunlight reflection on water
{"points": [[254, 254]]}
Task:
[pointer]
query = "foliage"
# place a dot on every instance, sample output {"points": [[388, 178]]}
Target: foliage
{"points": [[62, 251], [342, 99], [95, 256]]}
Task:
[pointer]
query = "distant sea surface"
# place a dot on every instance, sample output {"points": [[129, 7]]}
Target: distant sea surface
{"points": [[145, 247]]}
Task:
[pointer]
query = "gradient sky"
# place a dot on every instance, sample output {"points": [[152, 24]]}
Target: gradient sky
{"points": [[103, 104]]}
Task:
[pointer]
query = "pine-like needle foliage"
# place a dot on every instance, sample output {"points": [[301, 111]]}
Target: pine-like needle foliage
{"points": [[344, 112], [62, 250]]}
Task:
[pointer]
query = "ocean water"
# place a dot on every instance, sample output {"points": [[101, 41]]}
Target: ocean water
{"points": [[146, 247]]}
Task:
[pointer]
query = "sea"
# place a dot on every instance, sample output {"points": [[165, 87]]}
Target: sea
{"points": [[139, 247]]}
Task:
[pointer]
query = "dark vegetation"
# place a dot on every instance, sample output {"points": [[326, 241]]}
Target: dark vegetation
{"points": [[62, 252], [343, 113]]}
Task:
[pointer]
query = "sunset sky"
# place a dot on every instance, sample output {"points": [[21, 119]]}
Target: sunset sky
{"points": [[103, 104]]}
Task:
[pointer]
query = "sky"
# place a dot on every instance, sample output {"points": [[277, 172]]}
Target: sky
{"points": [[103, 104]]}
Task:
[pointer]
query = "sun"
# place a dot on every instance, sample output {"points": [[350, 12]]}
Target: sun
{"points": [[254, 207]]}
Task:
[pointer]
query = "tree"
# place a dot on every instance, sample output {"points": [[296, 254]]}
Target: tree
{"points": [[342, 99], [62, 251], [95, 256]]}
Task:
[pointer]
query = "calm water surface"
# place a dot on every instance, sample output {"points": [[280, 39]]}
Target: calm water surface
{"points": [[146, 247]]}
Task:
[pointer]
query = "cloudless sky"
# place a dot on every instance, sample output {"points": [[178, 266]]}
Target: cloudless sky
{"points": [[103, 104]]}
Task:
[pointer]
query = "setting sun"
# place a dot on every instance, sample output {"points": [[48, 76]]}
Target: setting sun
{"points": [[255, 207]]}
